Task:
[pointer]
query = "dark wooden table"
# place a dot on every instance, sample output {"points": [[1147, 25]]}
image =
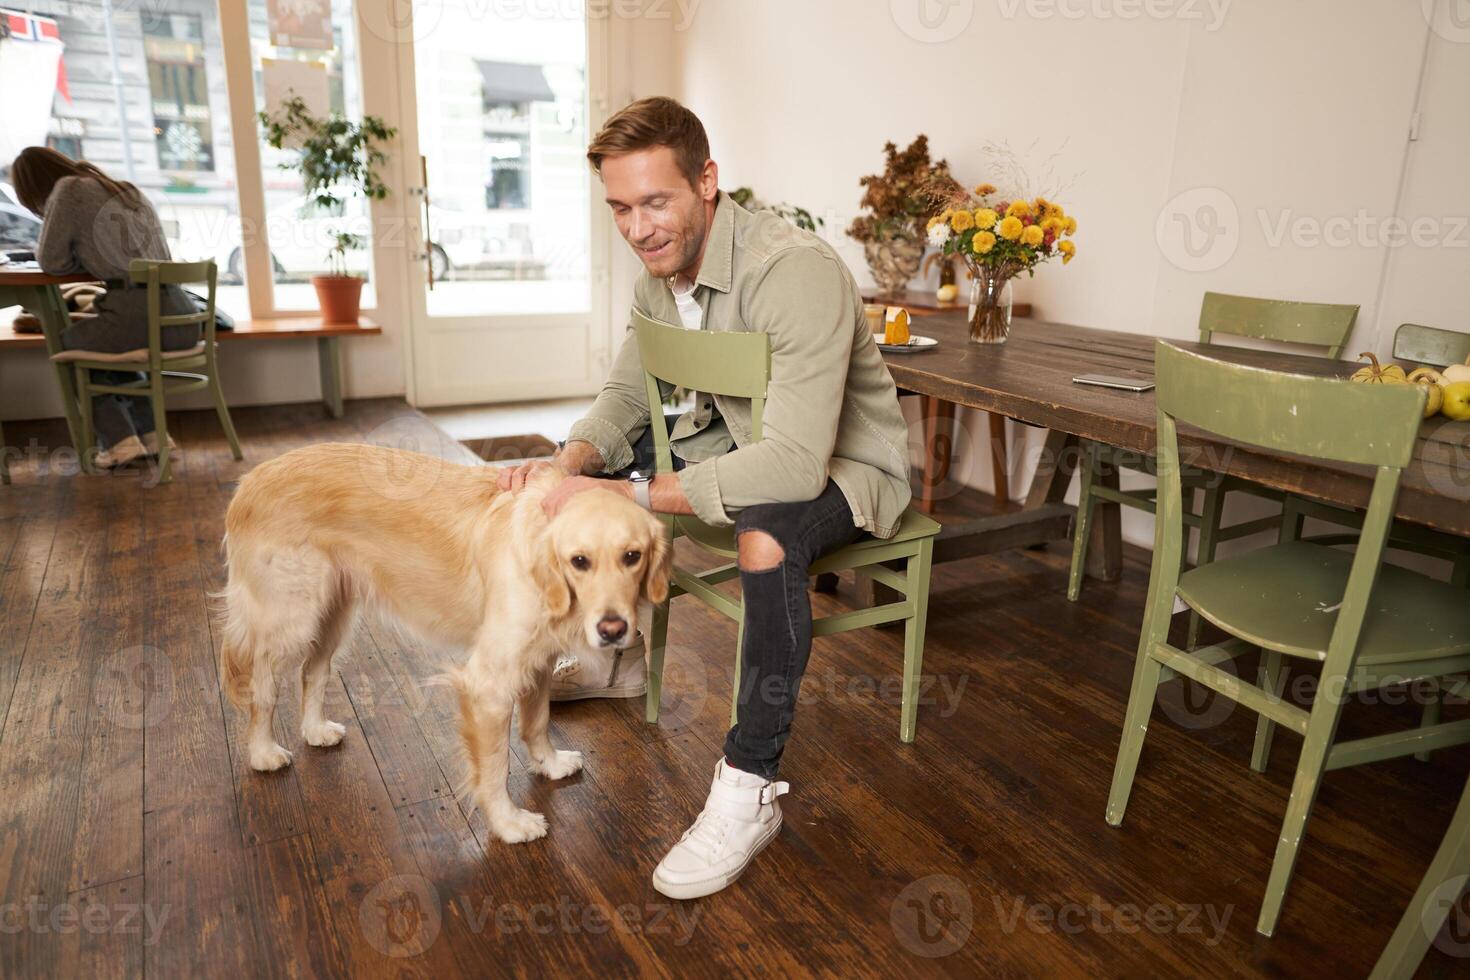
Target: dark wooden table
{"points": [[1030, 378]]}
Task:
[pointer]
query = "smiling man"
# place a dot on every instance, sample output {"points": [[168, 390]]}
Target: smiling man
{"points": [[832, 463]]}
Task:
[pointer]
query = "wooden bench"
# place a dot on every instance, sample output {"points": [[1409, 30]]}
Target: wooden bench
{"points": [[328, 337]]}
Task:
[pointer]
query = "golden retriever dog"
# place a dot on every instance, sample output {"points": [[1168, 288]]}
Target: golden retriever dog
{"points": [[438, 548]]}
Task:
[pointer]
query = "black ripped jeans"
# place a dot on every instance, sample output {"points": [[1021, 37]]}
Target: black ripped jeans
{"points": [[778, 612]]}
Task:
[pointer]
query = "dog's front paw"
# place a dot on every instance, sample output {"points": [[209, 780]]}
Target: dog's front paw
{"points": [[519, 826], [269, 758], [559, 766], [323, 734]]}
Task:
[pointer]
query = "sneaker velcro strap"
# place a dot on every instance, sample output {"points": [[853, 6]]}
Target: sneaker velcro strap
{"points": [[742, 802]]}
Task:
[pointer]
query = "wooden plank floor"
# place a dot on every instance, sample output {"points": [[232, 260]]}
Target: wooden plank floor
{"points": [[135, 841]]}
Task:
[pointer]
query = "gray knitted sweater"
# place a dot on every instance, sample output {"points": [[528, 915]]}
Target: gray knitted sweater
{"points": [[87, 229]]}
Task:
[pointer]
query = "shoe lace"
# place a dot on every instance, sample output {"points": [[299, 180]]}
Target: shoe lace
{"points": [[707, 836]]}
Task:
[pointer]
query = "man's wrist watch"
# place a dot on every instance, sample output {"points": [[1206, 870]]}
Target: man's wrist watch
{"points": [[640, 483]]}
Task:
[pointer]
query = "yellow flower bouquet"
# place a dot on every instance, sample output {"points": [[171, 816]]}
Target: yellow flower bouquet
{"points": [[999, 239]]}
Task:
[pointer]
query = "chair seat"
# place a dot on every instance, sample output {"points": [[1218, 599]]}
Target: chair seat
{"points": [[721, 540], [139, 356], [1285, 597]]}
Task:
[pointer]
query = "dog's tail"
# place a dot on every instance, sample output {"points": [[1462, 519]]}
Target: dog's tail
{"points": [[237, 647]]}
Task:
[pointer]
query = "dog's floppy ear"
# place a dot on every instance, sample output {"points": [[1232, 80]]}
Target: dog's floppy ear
{"points": [[660, 563], [544, 565]]}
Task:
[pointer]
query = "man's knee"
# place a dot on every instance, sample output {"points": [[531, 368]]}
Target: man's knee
{"points": [[758, 551]]}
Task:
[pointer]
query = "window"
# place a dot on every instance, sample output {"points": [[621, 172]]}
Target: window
{"points": [[60, 90], [174, 45], [299, 234]]}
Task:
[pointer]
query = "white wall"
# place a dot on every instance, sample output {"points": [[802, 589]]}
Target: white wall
{"points": [[1252, 112]]}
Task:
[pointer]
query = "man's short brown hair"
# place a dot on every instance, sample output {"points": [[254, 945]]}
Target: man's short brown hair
{"points": [[658, 121]]}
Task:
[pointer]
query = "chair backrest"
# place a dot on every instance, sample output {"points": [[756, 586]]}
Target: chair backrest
{"points": [[1324, 418], [1321, 324], [731, 363], [1430, 345], [154, 274]]}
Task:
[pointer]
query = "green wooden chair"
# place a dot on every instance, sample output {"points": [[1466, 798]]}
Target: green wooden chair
{"points": [[1324, 325], [1437, 894], [168, 372], [1369, 624], [738, 365]]}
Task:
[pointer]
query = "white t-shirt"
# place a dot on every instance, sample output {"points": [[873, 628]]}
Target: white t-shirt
{"points": [[690, 314]]}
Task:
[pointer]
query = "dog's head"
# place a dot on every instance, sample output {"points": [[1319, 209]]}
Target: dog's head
{"points": [[600, 556]]}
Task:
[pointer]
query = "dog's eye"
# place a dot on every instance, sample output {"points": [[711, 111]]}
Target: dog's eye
{"points": [[580, 563], [631, 557]]}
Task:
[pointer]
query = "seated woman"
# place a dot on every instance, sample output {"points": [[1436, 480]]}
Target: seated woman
{"points": [[95, 225]]}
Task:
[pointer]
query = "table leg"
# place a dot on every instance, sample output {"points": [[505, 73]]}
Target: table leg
{"points": [[48, 306], [1044, 517], [938, 416], [4, 459], [1000, 470], [329, 362], [1105, 549]]}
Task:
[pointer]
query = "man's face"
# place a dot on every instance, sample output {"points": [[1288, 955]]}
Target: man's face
{"points": [[663, 218]]}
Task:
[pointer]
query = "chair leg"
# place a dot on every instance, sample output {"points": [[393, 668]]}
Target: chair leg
{"points": [[1209, 532], [1135, 727], [917, 580], [1082, 528], [85, 436], [223, 411], [160, 427], [658, 632], [1321, 728], [1430, 716], [1271, 677], [1433, 901]]}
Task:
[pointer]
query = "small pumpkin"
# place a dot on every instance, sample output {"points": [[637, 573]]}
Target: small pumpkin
{"points": [[1456, 372], [1379, 374], [1426, 374], [1431, 380]]}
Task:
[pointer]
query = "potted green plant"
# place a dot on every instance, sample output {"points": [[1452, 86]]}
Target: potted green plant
{"points": [[794, 213], [337, 159]]}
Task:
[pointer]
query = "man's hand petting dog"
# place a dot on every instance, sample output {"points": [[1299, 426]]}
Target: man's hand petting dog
{"points": [[514, 478]]}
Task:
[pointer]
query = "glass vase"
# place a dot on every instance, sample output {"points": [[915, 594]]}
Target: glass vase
{"points": [[990, 308]]}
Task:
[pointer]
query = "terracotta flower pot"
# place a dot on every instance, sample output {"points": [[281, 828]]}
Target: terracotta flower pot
{"points": [[340, 297]]}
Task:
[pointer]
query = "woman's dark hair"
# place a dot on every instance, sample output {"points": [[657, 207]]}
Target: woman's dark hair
{"points": [[38, 169]]}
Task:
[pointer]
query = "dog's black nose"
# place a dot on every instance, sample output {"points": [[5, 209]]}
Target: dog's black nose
{"points": [[612, 628]]}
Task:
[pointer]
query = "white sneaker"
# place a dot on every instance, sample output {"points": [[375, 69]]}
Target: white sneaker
{"points": [[122, 453], [150, 439], [740, 818], [600, 673]]}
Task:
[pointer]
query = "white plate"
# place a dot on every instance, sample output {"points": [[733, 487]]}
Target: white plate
{"points": [[916, 343]]}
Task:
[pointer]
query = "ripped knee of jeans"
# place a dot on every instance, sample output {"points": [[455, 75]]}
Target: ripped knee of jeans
{"points": [[758, 551]]}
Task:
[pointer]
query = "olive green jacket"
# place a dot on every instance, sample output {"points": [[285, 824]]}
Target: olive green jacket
{"points": [[831, 408]]}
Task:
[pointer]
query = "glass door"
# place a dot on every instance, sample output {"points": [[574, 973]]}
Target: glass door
{"points": [[503, 233]]}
